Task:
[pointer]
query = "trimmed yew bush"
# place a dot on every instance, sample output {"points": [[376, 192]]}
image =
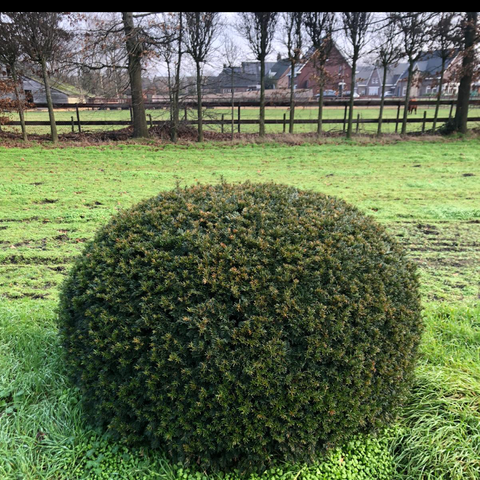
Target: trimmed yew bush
{"points": [[233, 324]]}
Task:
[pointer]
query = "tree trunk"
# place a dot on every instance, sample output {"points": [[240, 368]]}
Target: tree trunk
{"points": [[199, 103], [134, 50], [48, 95], [175, 103], [461, 114], [382, 101], [174, 110], [439, 95], [407, 98], [352, 91], [20, 106], [262, 97], [292, 98], [320, 111], [233, 102]]}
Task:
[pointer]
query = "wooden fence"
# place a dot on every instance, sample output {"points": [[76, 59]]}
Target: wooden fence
{"points": [[77, 123]]}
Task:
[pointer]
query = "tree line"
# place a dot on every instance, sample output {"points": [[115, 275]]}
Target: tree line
{"points": [[117, 47]]}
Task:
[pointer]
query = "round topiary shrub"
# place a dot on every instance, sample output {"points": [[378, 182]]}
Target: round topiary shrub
{"points": [[232, 324]]}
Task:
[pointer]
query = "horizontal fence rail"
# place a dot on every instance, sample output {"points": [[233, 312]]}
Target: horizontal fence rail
{"points": [[235, 121], [272, 102], [78, 123]]}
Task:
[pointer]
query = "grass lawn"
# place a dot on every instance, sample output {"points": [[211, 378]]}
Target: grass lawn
{"points": [[52, 200]]}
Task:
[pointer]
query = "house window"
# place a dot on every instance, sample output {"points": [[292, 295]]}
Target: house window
{"points": [[373, 91]]}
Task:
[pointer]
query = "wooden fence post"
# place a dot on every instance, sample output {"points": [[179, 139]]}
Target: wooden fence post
{"points": [[398, 116], [238, 117], [78, 119], [424, 120]]}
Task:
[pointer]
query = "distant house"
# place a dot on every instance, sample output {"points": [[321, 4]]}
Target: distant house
{"points": [[34, 90], [246, 78], [338, 70], [425, 82], [427, 76], [279, 71], [369, 79]]}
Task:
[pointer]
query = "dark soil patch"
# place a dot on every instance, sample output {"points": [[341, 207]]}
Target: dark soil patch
{"points": [[46, 201], [428, 229]]}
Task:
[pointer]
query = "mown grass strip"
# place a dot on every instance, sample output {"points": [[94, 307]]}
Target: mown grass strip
{"points": [[53, 200]]}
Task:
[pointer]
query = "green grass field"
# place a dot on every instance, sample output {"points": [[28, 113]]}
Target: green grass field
{"points": [[52, 200]]}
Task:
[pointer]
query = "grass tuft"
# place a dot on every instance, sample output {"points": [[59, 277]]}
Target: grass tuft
{"points": [[438, 435]]}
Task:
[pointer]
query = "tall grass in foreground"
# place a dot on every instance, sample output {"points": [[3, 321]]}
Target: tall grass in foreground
{"points": [[439, 431], [44, 436]]}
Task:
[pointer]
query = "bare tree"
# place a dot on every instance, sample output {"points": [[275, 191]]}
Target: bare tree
{"points": [[292, 34], [10, 56], [172, 53], [201, 29], [259, 30], [126, 42], [319, 26], [445, 39], [388, 54], [356, 27], [43, 40], [415, 32], [135, 52], [470, 40], [100, 56], [231, 53]]}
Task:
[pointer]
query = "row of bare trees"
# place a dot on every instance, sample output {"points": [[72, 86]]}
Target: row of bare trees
{"points": [[123, 45], [389, 38]]}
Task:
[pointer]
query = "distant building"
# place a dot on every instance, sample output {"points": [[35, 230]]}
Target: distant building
{"points": [[427, 72], [426, 78], [339, 73], [245, 78], [34, 90], [369, 79]]}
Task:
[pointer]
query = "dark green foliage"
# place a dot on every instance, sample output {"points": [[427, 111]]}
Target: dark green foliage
{"points": [[231, 324]]}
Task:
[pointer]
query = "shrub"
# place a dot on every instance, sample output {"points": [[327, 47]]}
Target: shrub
{"points": [[232, 324]]}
